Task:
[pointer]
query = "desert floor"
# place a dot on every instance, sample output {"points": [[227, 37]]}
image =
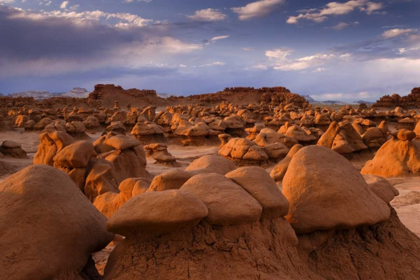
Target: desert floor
{"points": [[407, 204]]}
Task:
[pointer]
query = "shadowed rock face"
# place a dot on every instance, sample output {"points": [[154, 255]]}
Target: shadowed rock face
{"points": [[49, 228], [387, 250]]}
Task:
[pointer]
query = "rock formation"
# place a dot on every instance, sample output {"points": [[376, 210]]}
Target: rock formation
{"points": [[49, 228], [399, 156]]}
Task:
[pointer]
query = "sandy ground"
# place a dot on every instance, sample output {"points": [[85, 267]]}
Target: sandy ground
{"points": [[407, 204]]}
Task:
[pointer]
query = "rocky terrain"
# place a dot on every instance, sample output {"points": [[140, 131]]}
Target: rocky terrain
{"points": [[240, 184]]}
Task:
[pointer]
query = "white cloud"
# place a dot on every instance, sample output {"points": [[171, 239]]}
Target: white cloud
{"points": [[257, 9], [340, 26], [278, 54], [64, 5], [397, 32], [217, 38], [85, 17], [208, 15], [7, 1], [260, 67], [182, 66], [303, 63], [217, 63], [335, 8], [248, 49], [372, 7], [319, 69]]}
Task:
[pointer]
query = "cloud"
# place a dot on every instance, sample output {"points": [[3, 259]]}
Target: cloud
{"points": [[392, 43], [7, 1], [257, 9], [397, 32], [248, 49], [219, 38], [64, 5], [124, 20], [303, 63], [278, 54], [217, 63], [319, 69], [208, 15], [340, 26], [335, 8], [82, 42]]}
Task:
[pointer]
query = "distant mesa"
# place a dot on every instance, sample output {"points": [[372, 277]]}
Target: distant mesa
{"points": [[77, 92], [363, 101], [43, 94], [309, 99], [333, 102], [36, 94], [409, 101]]}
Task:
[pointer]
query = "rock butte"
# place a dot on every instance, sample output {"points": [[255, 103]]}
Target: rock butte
{"points": [[274, 191]]}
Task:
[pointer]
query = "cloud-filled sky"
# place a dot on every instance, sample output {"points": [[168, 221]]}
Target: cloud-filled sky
{"points": [[344, 50]]}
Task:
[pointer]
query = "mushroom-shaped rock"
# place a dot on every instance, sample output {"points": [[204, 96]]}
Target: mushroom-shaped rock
{"points": [[406, 135], [257, 182], [228, 203], [158, 213], [100, 178], [395, 158], [381, 187], [280, 169], [211, 164], [128, 163], [160, 153], [49, 229], [109, 202], [12, 149], [326, 192], [76, 155], [243, 152], [122, 142], [51, 144], [170, 180]]}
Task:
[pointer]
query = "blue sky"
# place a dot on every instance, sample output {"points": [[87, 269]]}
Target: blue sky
{"points": [[344, 50]]}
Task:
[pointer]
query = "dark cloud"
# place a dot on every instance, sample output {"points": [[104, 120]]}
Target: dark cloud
{"points": [[56, 38]]}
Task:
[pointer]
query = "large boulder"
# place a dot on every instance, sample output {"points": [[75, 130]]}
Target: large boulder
{"points": [[211, 164], [325, 192], [258, 183], [280, 169], [395, 158], [173, 210], [49, 228], [228, 203]]}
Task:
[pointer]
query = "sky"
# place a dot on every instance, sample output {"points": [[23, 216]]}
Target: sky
{"points": [[344, 50]]}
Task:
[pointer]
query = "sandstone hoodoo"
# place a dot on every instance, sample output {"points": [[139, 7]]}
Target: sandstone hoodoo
{"points": [[49, 228], [241, 184], [399, 156], [321, 198]]}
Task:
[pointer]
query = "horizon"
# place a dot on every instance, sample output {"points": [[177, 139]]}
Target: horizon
{"points": [[343, 51]]}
